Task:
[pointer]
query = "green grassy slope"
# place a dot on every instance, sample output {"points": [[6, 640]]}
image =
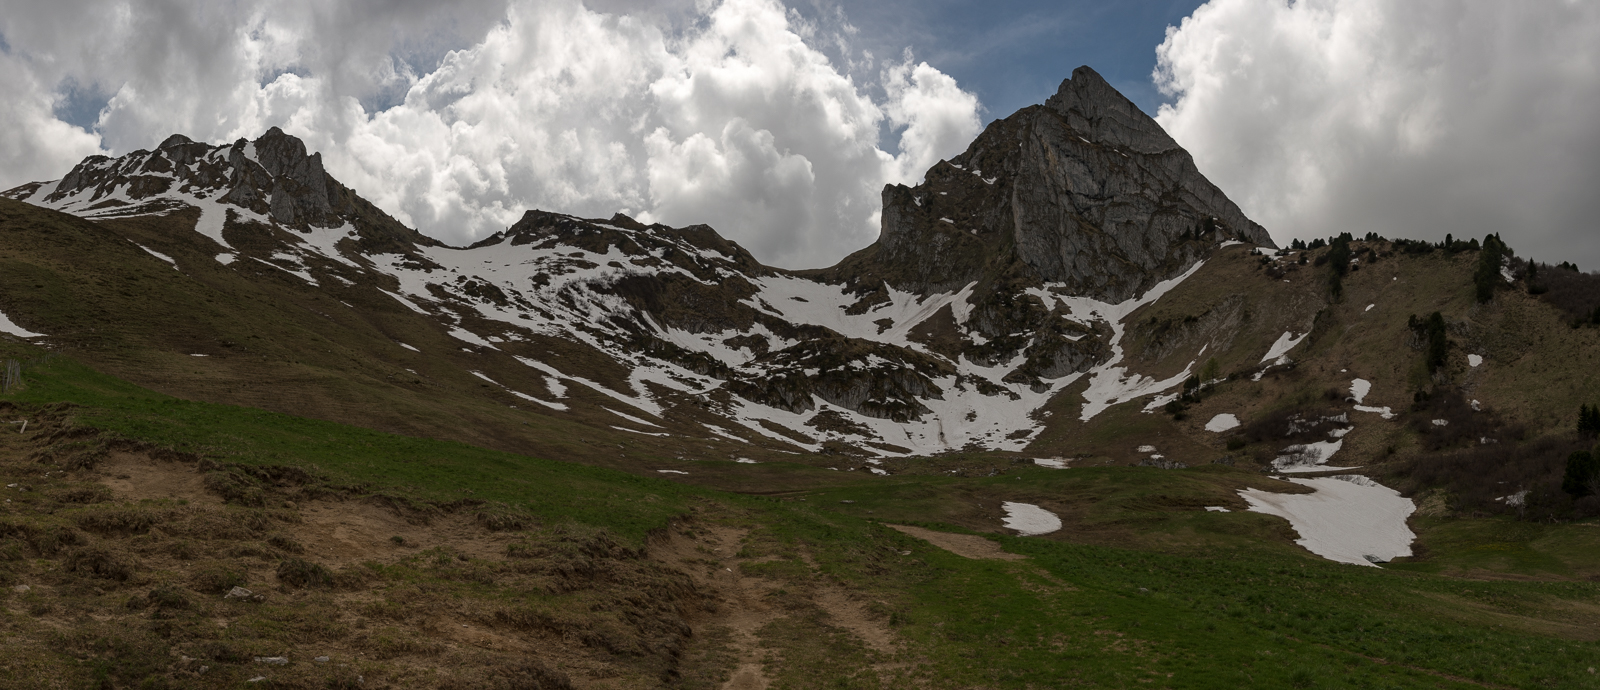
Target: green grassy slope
{"points": [[1191, 600]]}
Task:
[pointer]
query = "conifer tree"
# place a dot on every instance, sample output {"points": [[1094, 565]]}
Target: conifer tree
{"points": [[1488, 274], [1438, 341]]}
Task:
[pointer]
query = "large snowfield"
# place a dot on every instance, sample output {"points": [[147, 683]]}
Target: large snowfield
{"points": [[1347, 519]]}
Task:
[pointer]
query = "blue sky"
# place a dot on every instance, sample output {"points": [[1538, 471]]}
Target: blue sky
{"points": [[1014, 53]]}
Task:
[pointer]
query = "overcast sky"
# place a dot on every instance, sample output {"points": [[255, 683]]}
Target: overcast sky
{"points": [[779, 124]]}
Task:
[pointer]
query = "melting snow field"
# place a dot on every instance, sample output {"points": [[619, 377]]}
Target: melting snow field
{"points": [[1359, 389], [1110, 384], [1285, 343], [1222, 422], [1309, 457], [158, 255], [1029, 519], [7, 326], [1349, 518]]}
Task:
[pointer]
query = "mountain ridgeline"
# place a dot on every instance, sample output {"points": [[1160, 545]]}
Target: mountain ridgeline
{"points": [[1069, 281]]}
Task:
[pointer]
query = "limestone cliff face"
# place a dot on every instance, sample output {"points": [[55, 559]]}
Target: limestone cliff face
{"points": [[1085, 190]]}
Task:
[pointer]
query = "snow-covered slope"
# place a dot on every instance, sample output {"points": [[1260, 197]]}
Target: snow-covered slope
{"points": [[791, 359]]}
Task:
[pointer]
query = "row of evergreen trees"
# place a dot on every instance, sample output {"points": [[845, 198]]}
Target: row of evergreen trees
{"points": [[1491, 255]]}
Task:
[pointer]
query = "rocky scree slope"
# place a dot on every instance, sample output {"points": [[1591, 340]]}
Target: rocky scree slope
{"points": [[995, 284]]}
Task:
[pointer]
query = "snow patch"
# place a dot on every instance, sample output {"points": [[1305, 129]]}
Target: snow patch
{"points": [[1053, 463], [8, 326], [1347, 519], [1474, 360], [157, 255], [402, 300], [1028, 519], [1309, 457], [1284, 344], [408, 347], [465, 335], [636, 431], [1359, 389], [630, 417], [1217, 509], [1222, 422], [1384, 412]]}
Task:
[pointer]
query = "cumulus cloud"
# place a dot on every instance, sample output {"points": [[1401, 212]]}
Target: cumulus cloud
{"points": [[1411, 118], [33, 142], [457, 117]]}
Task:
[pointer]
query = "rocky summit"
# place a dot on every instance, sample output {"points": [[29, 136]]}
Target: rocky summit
{"points": [[1085, 192]]}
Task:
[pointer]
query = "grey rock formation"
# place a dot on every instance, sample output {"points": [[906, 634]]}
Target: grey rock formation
{"points": [[1085, 191], [273, 177]]}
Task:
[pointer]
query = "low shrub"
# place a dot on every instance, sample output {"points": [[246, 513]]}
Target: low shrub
{"points": [[217, 579], [99, 562], [302, 573]]}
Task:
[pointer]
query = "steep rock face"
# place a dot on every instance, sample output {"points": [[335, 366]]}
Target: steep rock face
{"points": [[272, 178], [1085, 192]]}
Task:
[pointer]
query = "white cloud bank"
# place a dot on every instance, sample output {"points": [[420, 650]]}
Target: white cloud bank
{"points": [[1411, 118], [735, 121]]}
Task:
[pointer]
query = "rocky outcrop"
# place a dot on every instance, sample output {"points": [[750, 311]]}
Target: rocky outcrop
{"points": [[273, 177], [1085, 191]]}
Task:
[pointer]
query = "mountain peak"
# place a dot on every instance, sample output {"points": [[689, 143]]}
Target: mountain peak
{"points": [[1086, 193], [273, 180], [1093, 107], [175, 140]]}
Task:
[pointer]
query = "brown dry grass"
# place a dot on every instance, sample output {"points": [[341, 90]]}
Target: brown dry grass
{"points": [[119, 568]]}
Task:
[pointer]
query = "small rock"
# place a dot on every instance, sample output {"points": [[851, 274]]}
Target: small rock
{"points": [[1143, 590], [256, 679], [847, 501], [273, 660], [242, 593], [321, 660], [21, 589]]}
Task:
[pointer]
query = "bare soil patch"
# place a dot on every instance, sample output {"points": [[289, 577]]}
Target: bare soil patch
{"points": [[967, 545]]}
